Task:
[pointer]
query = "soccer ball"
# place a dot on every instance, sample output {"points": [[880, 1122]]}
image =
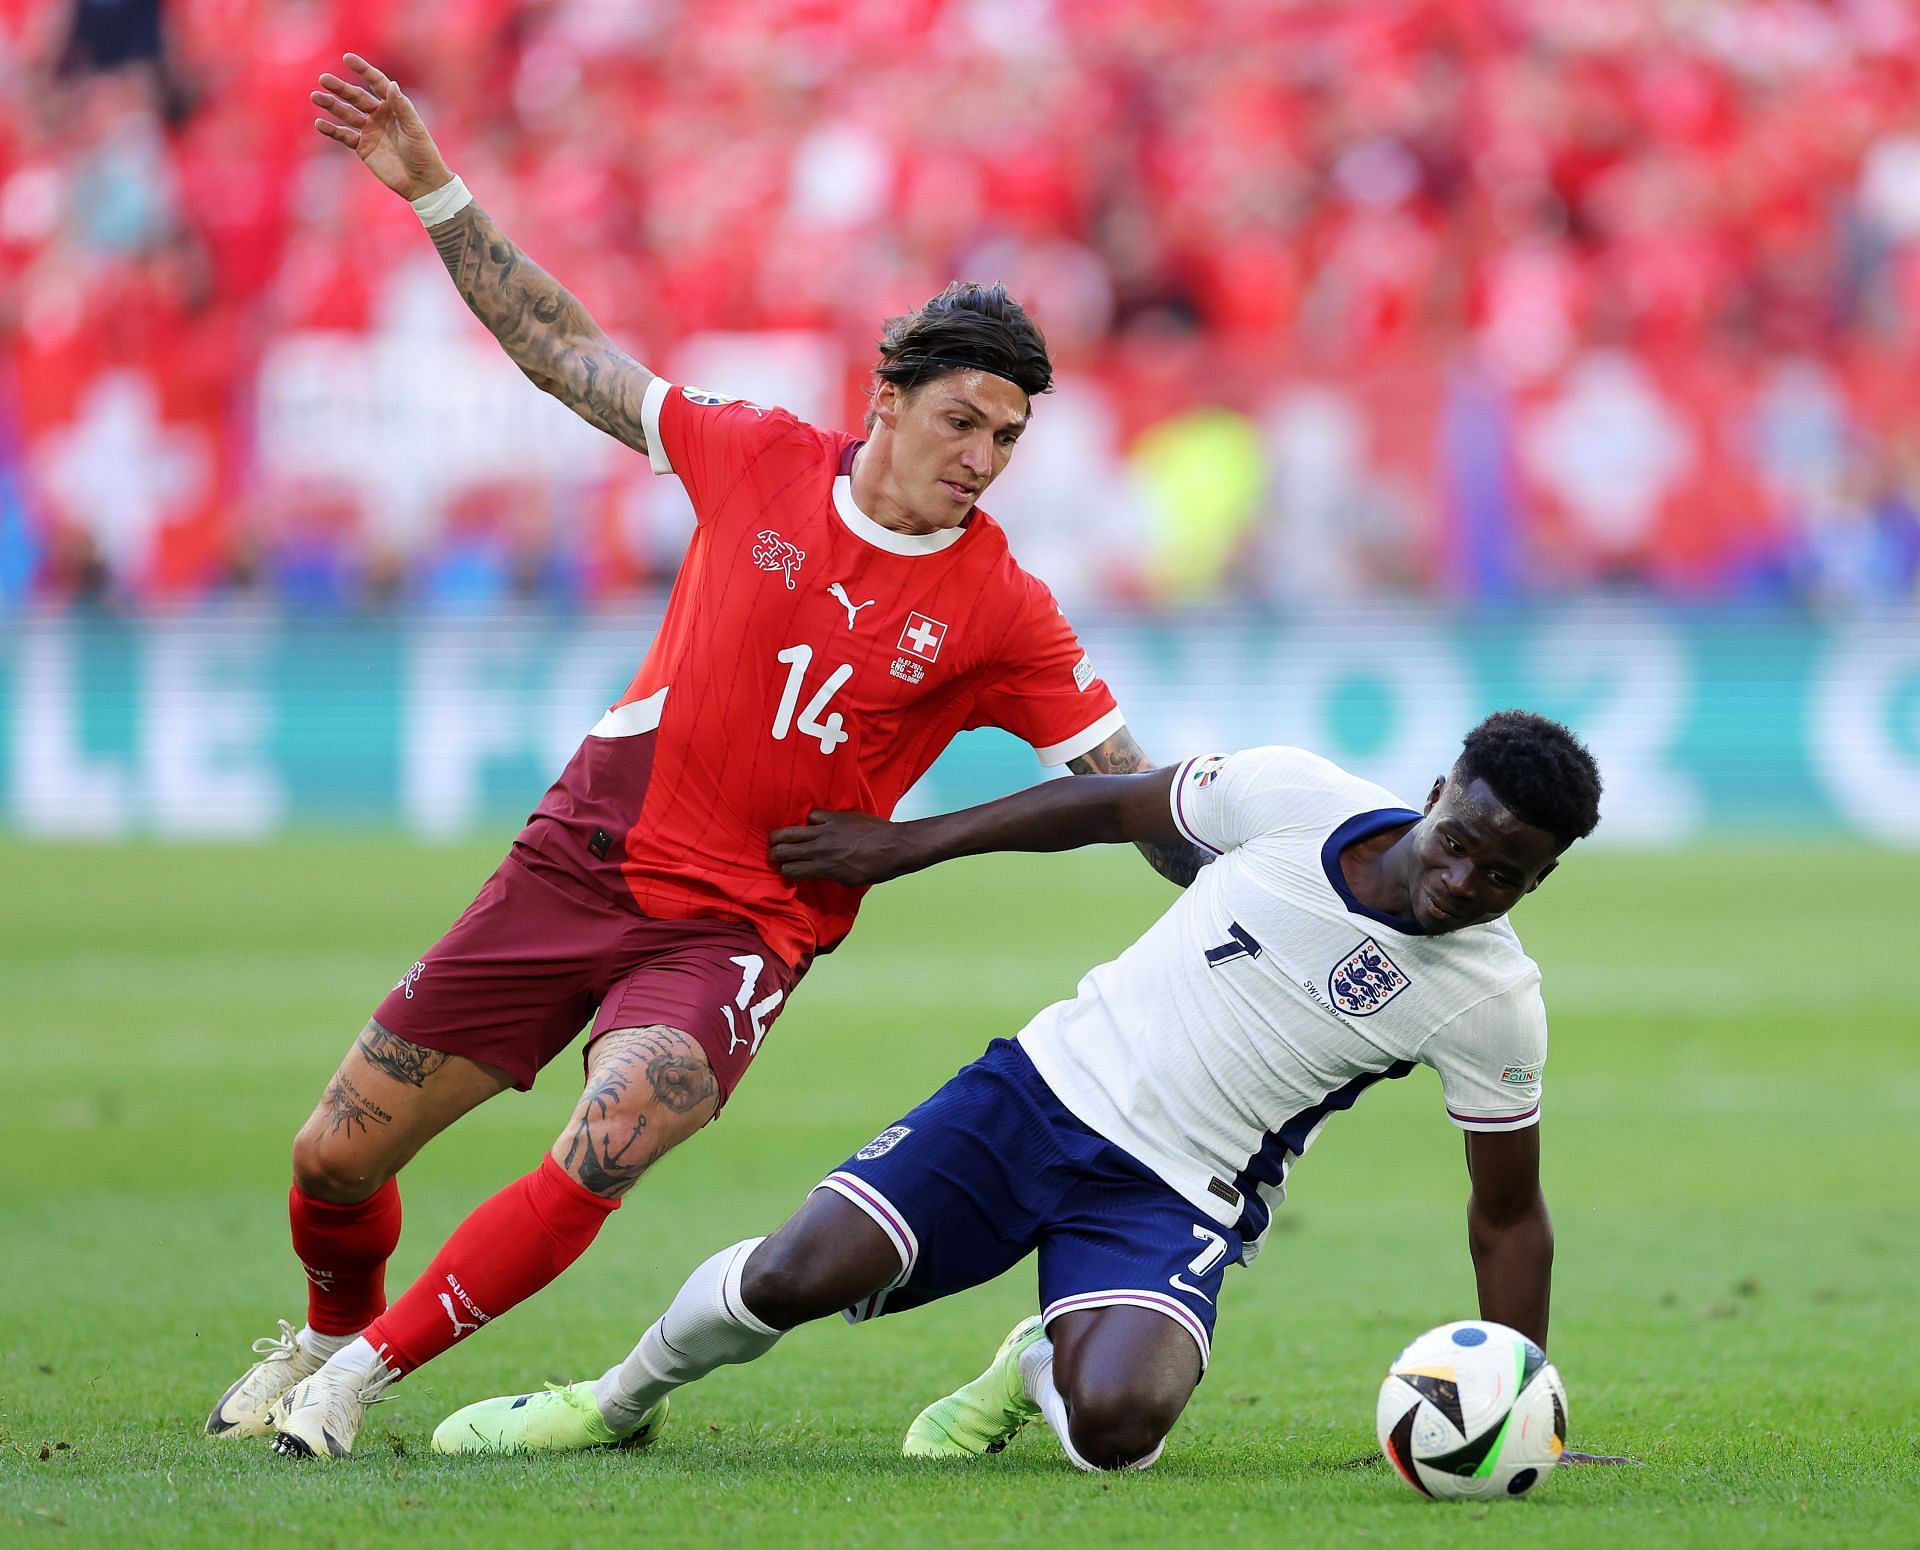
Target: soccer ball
{"points": [[1472, 1410]]}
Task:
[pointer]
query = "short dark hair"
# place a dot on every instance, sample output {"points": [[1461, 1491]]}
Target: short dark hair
{"points": [[978, 325], [1539, 770]]}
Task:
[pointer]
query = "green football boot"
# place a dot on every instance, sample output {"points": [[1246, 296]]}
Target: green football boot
{"points": [[982, 1416], [561, 1419]]}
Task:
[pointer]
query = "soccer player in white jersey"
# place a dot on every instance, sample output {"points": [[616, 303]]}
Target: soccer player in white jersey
{"points": [[1140, 1135]]}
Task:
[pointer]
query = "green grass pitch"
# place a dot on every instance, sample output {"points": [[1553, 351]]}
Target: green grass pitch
{"points": [[1731, 1114]]}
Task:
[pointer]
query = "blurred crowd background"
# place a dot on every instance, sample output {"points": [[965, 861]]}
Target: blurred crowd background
{"points": [[1481, 300]]}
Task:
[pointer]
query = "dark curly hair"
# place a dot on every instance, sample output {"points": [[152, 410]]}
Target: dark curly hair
{"points": [[1538, 769], [969, 324]]}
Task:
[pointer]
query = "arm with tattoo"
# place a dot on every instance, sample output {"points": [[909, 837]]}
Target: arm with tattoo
{"points": [[1179, 862], [542, 327]]}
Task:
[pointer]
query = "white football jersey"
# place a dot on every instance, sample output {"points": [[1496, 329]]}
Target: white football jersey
{"points": [[1268, 997]]}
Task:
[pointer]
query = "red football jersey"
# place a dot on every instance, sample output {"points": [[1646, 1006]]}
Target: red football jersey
{"points": [[808, 658]]}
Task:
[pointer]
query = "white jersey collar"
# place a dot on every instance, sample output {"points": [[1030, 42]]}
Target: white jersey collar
{"points": [[864, 528]]}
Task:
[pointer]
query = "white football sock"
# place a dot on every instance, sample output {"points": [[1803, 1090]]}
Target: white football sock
{"points": [[707, 1325], [322, 1346], [358, 1357], [1036, 1373]]}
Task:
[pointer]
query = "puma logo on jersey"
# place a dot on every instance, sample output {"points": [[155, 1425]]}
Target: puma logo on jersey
{"points": [[835, 589], [774, 553]]}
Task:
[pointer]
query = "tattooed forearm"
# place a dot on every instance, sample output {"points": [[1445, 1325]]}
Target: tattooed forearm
{"points": [[349, 1109], [400, 1059], [542, 327], [619, 1129], [1120, 755]]}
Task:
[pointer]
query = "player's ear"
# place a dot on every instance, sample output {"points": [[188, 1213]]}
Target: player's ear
{"points": [[1433, 796], [1543, 874], [886, 404]]}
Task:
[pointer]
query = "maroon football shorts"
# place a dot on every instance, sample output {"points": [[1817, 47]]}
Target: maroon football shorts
{"points": [[527, 964]]}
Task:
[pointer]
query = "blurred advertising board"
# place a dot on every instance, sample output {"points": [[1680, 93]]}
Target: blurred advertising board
{"points": [[243, 725]]}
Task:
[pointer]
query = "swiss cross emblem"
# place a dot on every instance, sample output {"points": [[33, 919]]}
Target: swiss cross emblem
{"points": [[922, 637], [1366, 981]]}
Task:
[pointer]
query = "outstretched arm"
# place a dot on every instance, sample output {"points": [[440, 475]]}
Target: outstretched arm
{"points": [[857, 848], [542, 327], [1508, 1231], [1179, 860]]}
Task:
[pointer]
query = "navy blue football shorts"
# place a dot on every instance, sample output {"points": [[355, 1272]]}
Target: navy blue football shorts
{"points": [[993, 1168]]}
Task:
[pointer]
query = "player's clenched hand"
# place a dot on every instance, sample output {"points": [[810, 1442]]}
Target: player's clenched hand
{"points": [[374, 120], [854, 848]]}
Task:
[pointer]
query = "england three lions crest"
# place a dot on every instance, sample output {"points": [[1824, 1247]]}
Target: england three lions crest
{"points": [[1365, 981]]}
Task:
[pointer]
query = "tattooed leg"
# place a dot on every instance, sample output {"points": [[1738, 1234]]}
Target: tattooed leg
{"points": [[648, 1089], [388, 1099], [349, 1109], [400, 1059]]}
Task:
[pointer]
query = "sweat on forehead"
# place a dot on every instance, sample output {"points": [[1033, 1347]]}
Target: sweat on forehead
{"points": [[961, 396]]}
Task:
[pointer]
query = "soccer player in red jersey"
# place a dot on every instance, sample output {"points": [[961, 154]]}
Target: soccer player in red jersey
{"points": [[843, 610]]}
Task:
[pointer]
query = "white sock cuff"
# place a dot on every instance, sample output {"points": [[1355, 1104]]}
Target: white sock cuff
{"points": [[1152, 1458], [730, 1298], [1036, 1368], [1037, 1375], [323, 1346], [361, 1359], [1054, 1407]]}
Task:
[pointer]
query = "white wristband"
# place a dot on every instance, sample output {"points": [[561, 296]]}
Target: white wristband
{"points": [[448, 200]]}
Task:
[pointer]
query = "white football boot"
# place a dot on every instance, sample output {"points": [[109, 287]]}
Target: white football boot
{"points": [[246, 1409], [320, 1416]]}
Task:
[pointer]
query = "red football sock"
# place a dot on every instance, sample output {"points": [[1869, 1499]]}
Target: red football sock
{"points": [[510, 1247], [344, 1251]]}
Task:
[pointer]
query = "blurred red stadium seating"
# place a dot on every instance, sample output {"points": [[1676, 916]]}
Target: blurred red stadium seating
{"points": [[1469, 299]]}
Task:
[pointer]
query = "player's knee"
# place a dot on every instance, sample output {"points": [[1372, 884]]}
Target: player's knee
{"points": [[1116, 1422], [327, 1168], [784, 1286]]}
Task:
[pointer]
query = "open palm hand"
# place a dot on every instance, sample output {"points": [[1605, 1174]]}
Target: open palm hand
{"points": [[373, 118]]}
